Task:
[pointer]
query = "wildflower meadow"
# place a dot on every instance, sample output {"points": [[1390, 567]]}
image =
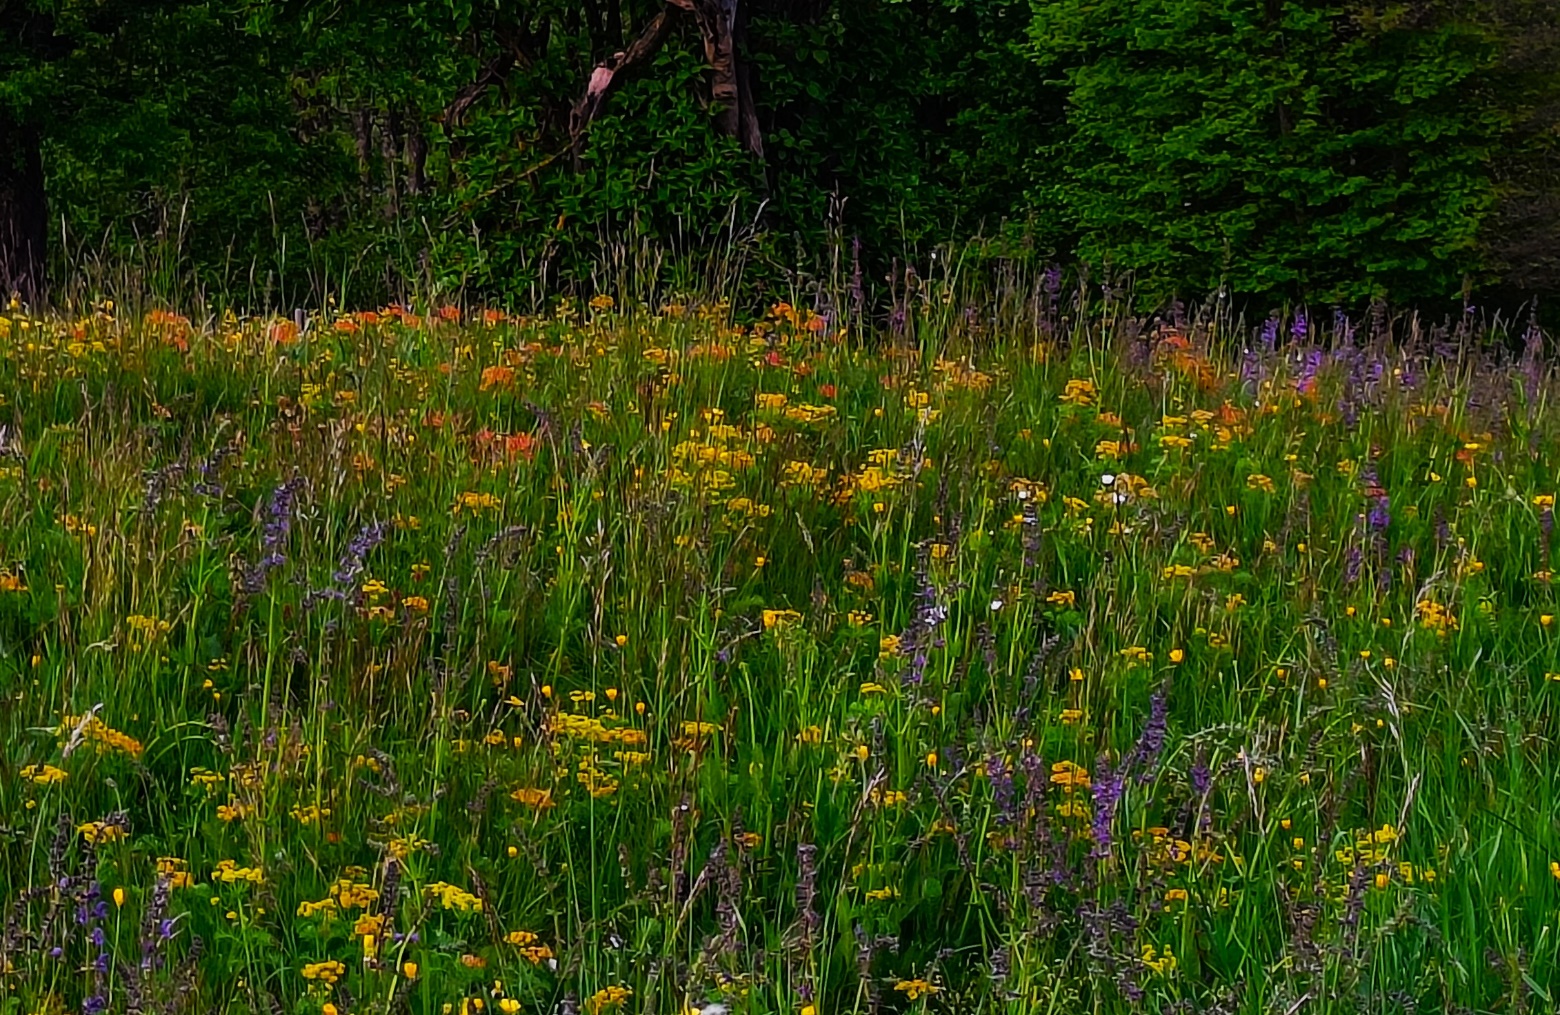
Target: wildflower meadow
{"points": [[656, 657]]}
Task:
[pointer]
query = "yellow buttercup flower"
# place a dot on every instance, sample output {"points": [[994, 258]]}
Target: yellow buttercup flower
{"points": [[326, 972], [915, 989]]}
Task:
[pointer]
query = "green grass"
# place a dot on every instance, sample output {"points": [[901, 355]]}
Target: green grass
{"points": [[771, 666]]}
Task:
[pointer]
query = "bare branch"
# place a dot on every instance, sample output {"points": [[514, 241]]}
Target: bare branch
{"points": [[609, 75], [494, 71]]}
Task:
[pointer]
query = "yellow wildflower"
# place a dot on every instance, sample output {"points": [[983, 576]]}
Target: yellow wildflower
{"points": [[451, 897], [326, 972], [607, 997], [1079, 392], [43, 775], [914, 989]]}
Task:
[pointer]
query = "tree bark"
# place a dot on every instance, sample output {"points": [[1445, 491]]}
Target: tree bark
{"points": [[389, 150], [731, 81], [720, 51], [24, 221], [748, 131], [363, 135], [416, 155]]}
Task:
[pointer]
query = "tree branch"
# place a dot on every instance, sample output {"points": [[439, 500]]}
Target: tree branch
{"points": [[609, 74], [731, 82], [494, 71]]}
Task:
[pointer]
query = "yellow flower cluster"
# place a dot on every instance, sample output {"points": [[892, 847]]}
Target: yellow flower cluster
{"points": [[531, 947], [539, 799], [1164, 850], [597, 783], [176, 870], [98, 733], [473, 503], [352, 894], [915, 989], [307, 909], [607, 997], [205, 778], [1435, 617], [1069, 776], [584, 727], [98, 832], [326, 972], [780, 618], [1162, 963], [452, 897], [43, 775], [1079, 392], [229, 872], [145, 630], [799, 474]]}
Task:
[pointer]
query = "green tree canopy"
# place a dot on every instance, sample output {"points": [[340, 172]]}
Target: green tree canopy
{"points": [[1334, 151], [1286, 149]]}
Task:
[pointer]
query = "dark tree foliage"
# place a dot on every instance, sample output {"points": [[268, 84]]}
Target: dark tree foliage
{"points": [[27, 47], [1337, 150], [1287, 149]]}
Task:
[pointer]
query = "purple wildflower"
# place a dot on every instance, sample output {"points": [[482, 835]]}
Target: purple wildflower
{"points": [[1201, 777], [858, 291], [274, 535], [1106, 789], [1053, 281], [920, 635], [1002, 794], [1310, 366], [1149, 746], [1380, 515], [210, 470], [1354, 563], [1343, 327], [351, 566]]}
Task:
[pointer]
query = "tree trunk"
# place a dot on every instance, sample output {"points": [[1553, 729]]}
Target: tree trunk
{"points": [[716, 19], [416, 154], [748, 131], [721, 24], [390, 150], [24, 222], [363, 134]]}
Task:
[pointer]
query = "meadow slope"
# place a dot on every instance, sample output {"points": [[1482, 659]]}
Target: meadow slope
{"points": [[630, 660]]}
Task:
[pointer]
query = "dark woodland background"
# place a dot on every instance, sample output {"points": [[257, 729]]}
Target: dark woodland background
{"points": [[1285, 150]]}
